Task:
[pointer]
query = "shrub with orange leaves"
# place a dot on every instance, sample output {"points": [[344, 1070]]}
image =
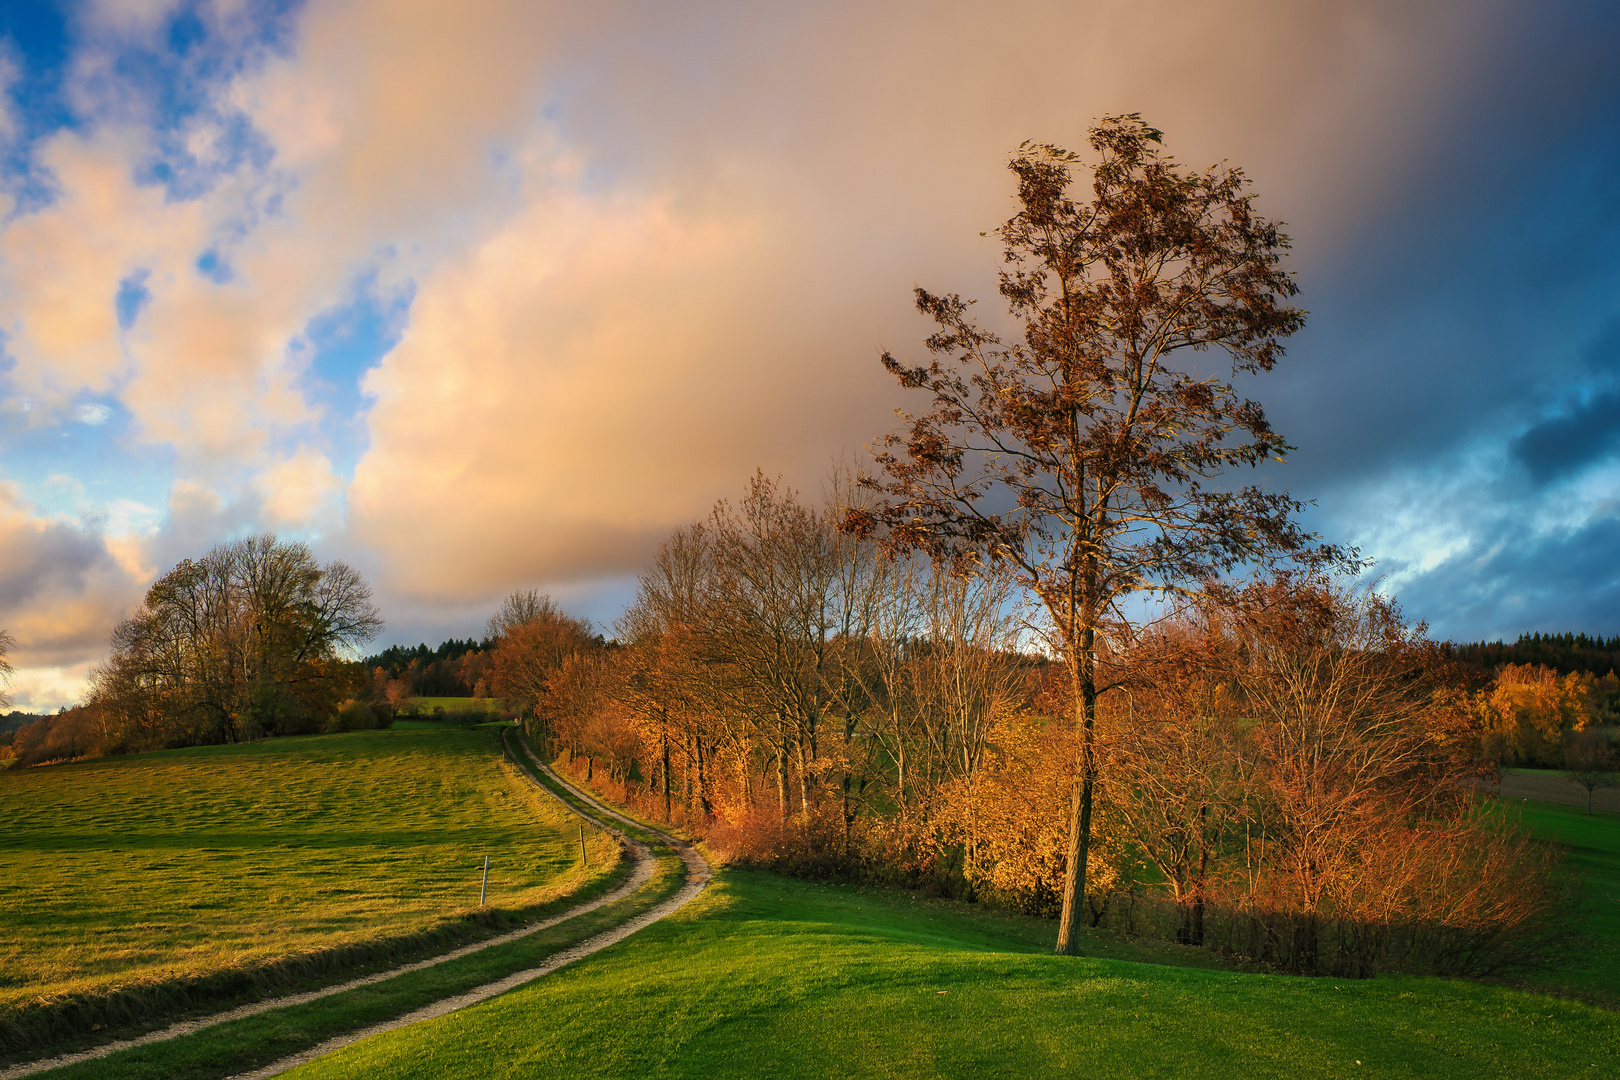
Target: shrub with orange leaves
{"points": [[1010, 818]]}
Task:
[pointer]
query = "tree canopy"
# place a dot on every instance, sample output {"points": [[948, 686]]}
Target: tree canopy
{"points": [[245, 641], [1089, 454]]}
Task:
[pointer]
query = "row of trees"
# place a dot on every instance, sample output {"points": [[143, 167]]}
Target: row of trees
{"points": [[246, 641], [1288, 771], [1563, 653], [850, 683], [456, 668]]}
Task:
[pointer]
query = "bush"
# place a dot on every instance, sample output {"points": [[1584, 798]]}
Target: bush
{"points": [[360, 716]]}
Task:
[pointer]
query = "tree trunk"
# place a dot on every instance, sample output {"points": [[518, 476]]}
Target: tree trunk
{"points": [[781, 781], [668, 812], [1083, 676], [705, 807], [804, 778], [1197, 935]]}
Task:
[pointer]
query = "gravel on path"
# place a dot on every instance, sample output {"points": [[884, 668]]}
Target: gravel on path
{"points": [[697, 876], [639, 876]]}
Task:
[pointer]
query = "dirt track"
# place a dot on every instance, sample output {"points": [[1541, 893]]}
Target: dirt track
{"points": [[697, 876], [698, 873]]}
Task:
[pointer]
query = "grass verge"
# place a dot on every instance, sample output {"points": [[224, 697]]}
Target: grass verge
{"points": [[767, 976]]}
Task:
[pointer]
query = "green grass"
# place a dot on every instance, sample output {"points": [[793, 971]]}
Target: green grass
{"points": [[453, 704], [163, 869], [243, 1045], [765, 976], [1593, 966]]}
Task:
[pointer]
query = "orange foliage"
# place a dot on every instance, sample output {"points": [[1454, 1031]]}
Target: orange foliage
{"points": [[1529, 709]]}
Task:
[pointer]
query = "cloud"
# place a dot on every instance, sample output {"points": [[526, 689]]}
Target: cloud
{"points": [[634, 251], [695, 281], [298, 490], [1562, 445], [46, 689], [1565, 582], [61, 587]]}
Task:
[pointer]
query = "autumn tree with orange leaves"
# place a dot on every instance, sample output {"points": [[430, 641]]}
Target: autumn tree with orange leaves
{"points": [[536, 640], [1082, 454]]}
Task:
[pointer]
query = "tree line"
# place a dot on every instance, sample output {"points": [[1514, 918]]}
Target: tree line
{"points": [[944, 669], [1287, 769], [456, 668], [247, 641]]}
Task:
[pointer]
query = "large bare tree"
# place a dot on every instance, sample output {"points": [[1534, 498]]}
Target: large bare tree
{"points": [[238, 643], [1083, 453]]}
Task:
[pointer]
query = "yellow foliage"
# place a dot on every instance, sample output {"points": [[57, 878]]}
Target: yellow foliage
{"points": [[1529, 708], [1012, 816]]}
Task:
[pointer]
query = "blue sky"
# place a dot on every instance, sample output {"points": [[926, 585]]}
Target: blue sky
{"points": [[494, 297]]}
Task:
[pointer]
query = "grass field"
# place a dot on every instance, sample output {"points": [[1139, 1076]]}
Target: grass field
{"points": [[125, 874], [1555, 786], [242, 1045], [453, 704], [1593, 966], [765, 976]]}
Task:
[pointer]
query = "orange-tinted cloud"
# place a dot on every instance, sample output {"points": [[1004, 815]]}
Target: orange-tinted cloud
{"points": [[654, 246]]}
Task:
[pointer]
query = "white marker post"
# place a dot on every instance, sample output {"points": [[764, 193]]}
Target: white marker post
{"points": [[483, 890]]}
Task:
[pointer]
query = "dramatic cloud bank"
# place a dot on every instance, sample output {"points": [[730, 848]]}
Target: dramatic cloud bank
{"points": [[496, 293]]}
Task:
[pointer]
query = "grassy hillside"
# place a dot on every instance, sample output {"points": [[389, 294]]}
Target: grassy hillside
{"points": [[126, 874], [1593, 967], [771, 977]]}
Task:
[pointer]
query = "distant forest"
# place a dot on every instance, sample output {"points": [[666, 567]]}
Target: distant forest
{"points": [[454, 669], [1563, 653]]}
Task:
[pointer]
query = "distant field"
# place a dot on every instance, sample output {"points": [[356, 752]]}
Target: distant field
{"points": [[451, 704], [1555, 786], [132, 871], [765, 976]]}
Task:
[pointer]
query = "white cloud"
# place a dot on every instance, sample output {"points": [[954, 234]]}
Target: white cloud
{"points": [[642, 268], [61, 588], [46, 689], [298, 491]]}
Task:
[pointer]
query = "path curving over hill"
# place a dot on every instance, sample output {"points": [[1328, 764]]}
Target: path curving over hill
{"points": [[698, 872]]}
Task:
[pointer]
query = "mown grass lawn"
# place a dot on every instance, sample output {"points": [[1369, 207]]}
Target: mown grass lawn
{"points": [[135, 870], [1592, 966], [765, 976]]}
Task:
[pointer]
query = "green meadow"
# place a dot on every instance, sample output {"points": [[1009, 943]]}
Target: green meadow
{"points": [[126, 876], [760, 976], [764, 976], [459, 704], [1592, 843]]}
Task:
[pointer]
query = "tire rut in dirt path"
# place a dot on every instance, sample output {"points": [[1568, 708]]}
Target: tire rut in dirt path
{"points": [[640, 874], [698, 873]]}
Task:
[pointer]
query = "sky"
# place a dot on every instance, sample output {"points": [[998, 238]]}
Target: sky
{"points": [[495, 294]]}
